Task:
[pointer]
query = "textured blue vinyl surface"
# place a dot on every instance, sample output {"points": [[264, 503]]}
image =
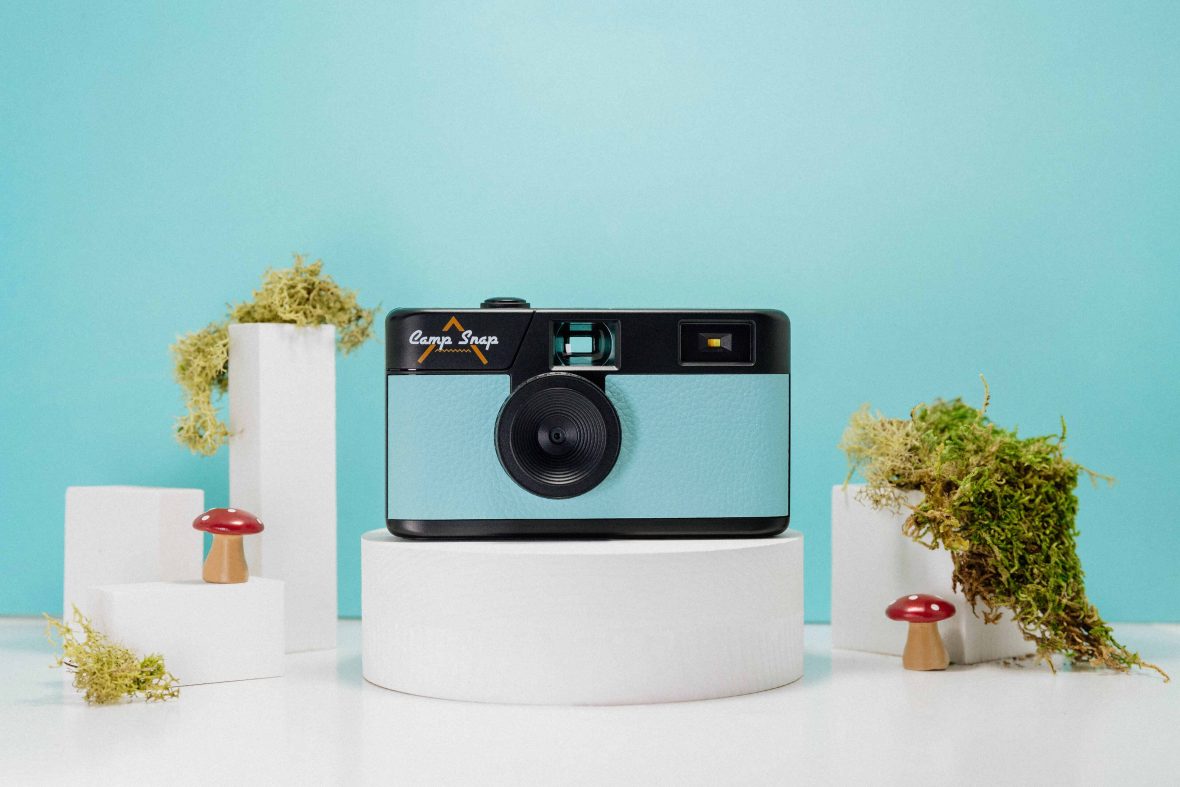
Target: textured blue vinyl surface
{"points": [[711, 445]]}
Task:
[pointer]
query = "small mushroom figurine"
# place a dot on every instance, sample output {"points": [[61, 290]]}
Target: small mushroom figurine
{"points": [[923, 644], [226, 562]]}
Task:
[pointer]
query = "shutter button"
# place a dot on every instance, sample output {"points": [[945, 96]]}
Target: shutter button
{"points": [[504, 303]]}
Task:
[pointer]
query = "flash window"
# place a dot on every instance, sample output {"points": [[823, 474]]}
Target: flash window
{"points": [[716, 343]]}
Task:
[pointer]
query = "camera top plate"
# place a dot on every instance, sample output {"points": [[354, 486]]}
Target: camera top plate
{"points": [[506, 336]]}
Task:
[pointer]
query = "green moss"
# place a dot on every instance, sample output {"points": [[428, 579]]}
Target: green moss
{"points": [[299, 295], [1004, 507], [105, 672]]}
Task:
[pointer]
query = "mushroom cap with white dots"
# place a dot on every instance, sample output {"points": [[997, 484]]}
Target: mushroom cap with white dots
{"points": [[920, 608], [228, 522]]}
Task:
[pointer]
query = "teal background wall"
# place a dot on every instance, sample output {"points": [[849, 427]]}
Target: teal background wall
{"points": [[929, 190]]}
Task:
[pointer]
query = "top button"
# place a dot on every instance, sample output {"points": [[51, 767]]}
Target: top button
{"points": [[504, 303]]}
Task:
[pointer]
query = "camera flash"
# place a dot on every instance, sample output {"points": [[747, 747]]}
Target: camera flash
{"points": [[715, 343]]}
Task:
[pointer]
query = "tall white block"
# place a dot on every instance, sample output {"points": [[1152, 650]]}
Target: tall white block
{"points": [[128, 534], [282, 466], [873, 563], [207, 633], [582, 622]]}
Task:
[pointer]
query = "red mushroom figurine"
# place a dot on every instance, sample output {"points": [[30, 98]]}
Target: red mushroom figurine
{"points": [[226, 563], [923, 645]]}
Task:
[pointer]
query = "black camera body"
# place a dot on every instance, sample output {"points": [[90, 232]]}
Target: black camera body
{"points": [[512, 421]]}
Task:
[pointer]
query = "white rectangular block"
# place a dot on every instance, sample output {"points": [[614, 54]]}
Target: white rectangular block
{"points": [[206, 633], [873, 563], [128, 534], [282, 466]]}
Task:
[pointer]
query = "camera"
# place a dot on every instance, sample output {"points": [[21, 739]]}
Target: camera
{"points": [[511, 421]]}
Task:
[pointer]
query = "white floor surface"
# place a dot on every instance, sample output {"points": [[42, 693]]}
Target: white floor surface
{"points": [[854, 718]]}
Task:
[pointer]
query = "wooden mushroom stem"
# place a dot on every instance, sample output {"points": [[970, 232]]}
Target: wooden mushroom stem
{"points": [[226, 563], [924, 649]]}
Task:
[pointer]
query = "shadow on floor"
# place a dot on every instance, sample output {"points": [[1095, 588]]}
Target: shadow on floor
{"points": [[817, 665]]}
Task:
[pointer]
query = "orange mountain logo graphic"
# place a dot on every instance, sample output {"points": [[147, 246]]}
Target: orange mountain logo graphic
{"points": [[467, 341]]}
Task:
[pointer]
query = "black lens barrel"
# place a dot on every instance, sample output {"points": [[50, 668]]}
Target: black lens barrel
{"points": [[558, 435]]}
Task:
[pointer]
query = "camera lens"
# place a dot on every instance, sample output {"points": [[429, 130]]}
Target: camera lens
{"points": [[558, 435]]}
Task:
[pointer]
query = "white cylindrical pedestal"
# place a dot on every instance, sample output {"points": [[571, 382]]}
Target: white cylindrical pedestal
{"points": [[582, 622]]}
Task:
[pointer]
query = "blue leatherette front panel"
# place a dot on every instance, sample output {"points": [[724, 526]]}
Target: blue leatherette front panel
{"points": [[709, 445]]}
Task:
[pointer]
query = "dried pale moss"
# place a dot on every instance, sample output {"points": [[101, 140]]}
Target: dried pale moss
{"points": [[107, 673], [302, 296], [299, 295], [1004, 507], [202, 369]]}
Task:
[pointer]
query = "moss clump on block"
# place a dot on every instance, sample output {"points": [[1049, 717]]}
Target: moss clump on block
{"points": [[202, 369], [299, 295], [105, 672], [1005, 509]]}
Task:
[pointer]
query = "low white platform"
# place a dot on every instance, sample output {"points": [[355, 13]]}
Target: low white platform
{"points": [[116, 534], [873, 563], [582, 622], [207, 633]]}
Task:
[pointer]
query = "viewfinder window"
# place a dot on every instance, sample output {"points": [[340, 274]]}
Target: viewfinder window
{"points": [[586, 344]]}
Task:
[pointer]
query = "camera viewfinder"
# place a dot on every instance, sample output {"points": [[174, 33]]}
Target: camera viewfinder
{"points": [[585, 344]]}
